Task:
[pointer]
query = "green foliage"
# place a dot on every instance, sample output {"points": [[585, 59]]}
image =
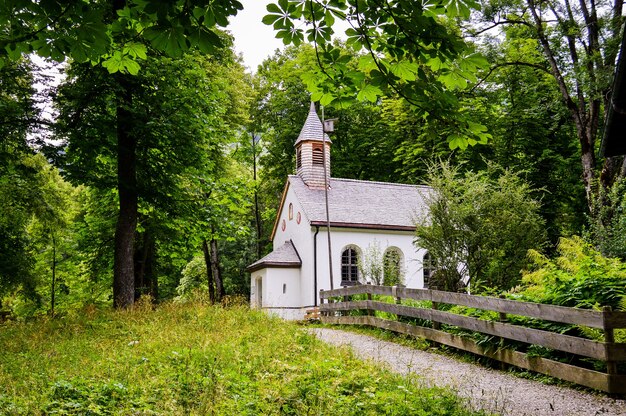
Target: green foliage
{"points": [[392, 268], [194, 359], [607, 228], [194, 275], [403, 48], [533, 131], [579, 277], [478, 225], [102, 31], [187, 189], [371, 264]]}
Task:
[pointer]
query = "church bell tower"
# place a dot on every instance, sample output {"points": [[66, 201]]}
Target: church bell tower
{"points": [[312, 146]]}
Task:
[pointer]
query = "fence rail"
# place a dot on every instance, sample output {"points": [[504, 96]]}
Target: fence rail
{"points": [[338, 302]]}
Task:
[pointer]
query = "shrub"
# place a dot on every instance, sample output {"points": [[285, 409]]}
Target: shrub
{"points": [[479, 225], [579, 277]]}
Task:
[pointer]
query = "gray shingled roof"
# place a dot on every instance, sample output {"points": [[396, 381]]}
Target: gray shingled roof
{"points": [[312, 129], [362, 204], [284, 256]]}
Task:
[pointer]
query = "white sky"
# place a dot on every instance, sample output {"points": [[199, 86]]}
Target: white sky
{"points": [[253, 39]]}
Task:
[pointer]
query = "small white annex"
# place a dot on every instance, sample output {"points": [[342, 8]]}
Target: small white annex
{"points": [[364, 216]]}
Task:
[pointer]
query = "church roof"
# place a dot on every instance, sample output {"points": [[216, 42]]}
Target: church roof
{"points": [[312, 129], [284, 256], [362, 204]]}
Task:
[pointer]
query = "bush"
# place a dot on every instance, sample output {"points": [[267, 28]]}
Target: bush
{"points": [[479, 224], [579, 277]]}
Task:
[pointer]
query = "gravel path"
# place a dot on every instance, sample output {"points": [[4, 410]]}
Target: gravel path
{"points": [[490, 390]]}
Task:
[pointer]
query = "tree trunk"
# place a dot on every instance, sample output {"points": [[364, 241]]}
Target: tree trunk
{"points": [[209, 271], [144, 267], [123, 267], [257, 211], [152, 280], [54, 274], [215, 268]]}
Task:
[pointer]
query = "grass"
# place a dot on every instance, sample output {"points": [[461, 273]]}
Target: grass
{"points": [[195, 359]]}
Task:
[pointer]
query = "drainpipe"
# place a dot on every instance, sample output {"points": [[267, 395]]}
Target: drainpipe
{"points": [[317, 230]]}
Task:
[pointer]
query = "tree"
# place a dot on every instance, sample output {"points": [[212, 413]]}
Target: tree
{"points": [[113, 34], [608, 228], [110, 33], [408, 49], [579, 42], [532, 130], [479, 226], [20, 177], [132, 134]]}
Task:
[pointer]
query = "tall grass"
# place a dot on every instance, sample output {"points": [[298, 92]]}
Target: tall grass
{"points": [[194, 359]]}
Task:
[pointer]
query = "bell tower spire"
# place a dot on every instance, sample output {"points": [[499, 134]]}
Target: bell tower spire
{"points": [[310, 146]]}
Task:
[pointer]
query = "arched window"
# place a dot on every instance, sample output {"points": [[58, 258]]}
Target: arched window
{"points": [[428, 266], [318, 154], [290, 211], [349, 267], [392, 267], [298, 159]]}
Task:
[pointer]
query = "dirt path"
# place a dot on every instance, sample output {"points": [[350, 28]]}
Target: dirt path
{"points": [[490, 390]]}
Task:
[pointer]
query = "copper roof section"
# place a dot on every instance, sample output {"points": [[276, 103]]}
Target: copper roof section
{"points": [[285, 256], [312, 129]]}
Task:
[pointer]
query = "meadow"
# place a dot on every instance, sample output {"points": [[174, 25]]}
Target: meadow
{"points": [[195, 359]]}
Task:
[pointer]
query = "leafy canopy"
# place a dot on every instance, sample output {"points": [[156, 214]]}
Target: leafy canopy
{"points": [[111, 33], [404, 48]]}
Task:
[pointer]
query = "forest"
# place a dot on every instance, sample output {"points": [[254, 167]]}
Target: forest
{"points": [[156, 165]]}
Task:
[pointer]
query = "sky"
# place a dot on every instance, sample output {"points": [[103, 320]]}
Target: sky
{"points": [[253, 39]]}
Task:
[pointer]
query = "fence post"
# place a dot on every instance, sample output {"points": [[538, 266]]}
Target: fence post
{"points": [[436, 325], [609, 338], [370, 312], [346, 298], [502, 318], [394, 293], [322, 303]]}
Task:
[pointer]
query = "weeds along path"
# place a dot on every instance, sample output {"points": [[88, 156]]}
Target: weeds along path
{"points": [[489, 390]]}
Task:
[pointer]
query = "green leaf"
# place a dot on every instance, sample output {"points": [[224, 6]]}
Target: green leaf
{"points": [[326, 99], [136, 50], [114, 63], [130, 65], [459, 8], [206, 40], [456, 140], [367, 63], [436, 64], [170, 40], [453, 80], [370, 93], [405, 70]]}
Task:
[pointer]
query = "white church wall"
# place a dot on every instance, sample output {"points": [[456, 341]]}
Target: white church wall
{"points": [[362, 239], [296, 227], [276, 290], [257, 280]]}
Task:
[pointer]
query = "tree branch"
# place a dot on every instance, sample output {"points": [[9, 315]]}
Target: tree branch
{"points": [[498, 23], [505, 64]]}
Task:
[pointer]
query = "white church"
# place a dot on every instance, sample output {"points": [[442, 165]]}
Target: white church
{"points": [[365, 217]]}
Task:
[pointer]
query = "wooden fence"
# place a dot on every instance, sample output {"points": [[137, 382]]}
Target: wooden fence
{"points": [[338, 304]]}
